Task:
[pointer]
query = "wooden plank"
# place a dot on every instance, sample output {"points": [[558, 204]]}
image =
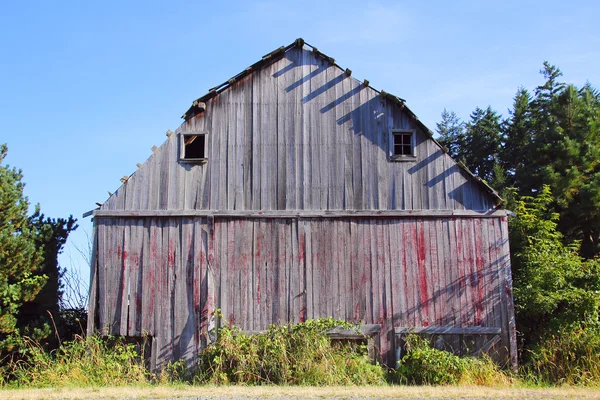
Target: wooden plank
{"points": [[93, 301], [487, 346], [121, 289], [302, 271], [302, 214], [187, 321], [135, 277], [449, 330], [158, 322], [309, 271], [149, 275]]}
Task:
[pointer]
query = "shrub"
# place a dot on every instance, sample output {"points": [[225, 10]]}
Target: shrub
{"points": [[299, 354], [425, 365]]}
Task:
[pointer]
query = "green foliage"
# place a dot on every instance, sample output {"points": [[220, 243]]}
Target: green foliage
{"points": [[91, 361], [554, 286], [29, 271], [557, 297], [20, 258], [451, 132], [425, 365], [551, 138], [300, 354]]}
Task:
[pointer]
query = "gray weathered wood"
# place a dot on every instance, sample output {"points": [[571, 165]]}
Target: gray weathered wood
{"points": [[449, 330], [299, 213]]}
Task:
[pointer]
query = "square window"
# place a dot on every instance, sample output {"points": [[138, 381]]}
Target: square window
{"points": [[193, 147], [402, 145]]}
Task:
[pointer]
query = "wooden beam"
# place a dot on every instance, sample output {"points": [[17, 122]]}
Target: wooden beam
{"points": [[368, 330], [450, 330], [303, 214], [88, 213], [363, 331], [487, 346]]}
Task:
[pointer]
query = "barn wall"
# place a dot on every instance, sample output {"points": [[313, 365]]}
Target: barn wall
{"points": [[165, 276], [300, 135]]}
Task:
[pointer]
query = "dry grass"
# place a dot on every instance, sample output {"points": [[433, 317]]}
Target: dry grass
{"points": [[266, 392]]}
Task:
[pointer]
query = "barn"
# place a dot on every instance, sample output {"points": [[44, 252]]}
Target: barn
{"points": [[294, 191]]}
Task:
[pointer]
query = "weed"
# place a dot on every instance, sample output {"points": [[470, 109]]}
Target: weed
{"points": [[91, 361], [300, 354], [571, 357], [425, 365]]}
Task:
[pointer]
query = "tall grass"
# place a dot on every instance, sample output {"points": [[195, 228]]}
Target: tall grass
{"points": [[91, 361], [571, 357], [299, 354]]}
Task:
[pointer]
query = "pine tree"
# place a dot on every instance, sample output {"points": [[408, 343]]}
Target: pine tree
{"points": [[451, 131], [517, 154], [29, 273], [20, 258], [483, 138]]}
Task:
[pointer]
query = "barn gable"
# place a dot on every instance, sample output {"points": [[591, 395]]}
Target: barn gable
{"points": [[294, 191], [297, 132]]}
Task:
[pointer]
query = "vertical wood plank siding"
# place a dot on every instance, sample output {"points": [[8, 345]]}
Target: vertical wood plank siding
{"points": [[300, 134], [165, 276]]}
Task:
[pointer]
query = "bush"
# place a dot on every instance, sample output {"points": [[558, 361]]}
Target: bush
{"points": [[425, 365], [299, 354], [571, 356]]}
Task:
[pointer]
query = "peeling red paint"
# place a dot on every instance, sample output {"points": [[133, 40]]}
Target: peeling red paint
{"points": [[422, 268]]}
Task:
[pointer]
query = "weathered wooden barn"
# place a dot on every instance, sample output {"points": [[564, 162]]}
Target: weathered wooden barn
{"points": [[294, 191]]}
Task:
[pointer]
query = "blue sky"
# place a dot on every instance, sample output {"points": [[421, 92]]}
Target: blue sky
{"points": [[87, 88]]}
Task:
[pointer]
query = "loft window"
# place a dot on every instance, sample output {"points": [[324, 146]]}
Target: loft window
{"points": [[193, 147], [402, 145]]}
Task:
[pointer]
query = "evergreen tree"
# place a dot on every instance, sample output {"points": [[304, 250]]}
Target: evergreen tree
{"points": [[451, 131], [517, 154], [20, 258], [483, 138], [34, 318], [29, 271]]}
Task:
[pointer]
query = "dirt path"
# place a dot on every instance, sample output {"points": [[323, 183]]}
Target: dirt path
{"points": [[295, 393]]}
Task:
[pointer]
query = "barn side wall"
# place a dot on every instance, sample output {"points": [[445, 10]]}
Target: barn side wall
{"points": [[300, 134], [165, 276]]}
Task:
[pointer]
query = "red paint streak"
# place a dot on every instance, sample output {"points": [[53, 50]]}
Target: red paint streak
{"points": [[479, 304], [171, 254], [153, 246], [422, 269], [119, 251], [303, 314], [231, 320]]}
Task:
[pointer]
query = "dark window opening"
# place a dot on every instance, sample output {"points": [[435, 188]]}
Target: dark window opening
{"points": [[194, 147], [403, 145]]}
